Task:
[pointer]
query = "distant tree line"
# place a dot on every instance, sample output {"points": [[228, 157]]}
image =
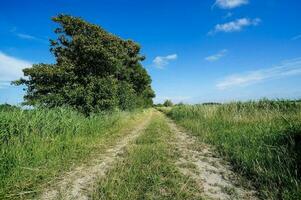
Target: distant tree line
{"points": [[211, 103], [94, 71], [166, 103], [8, 107]]}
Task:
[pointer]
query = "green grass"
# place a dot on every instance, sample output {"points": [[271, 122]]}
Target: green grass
{"points": [[148, 172], [38, 145], [261, 139]]}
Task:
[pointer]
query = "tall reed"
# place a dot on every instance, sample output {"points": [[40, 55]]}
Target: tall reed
{"points": [[37, 145], [261, 139]]}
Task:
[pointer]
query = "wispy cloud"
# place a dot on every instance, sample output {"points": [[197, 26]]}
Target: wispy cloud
{"points": [[4, 84], [11, 68], [229, 4], [217, 56], [162, 61], [25, 36], [31, 37], [228, 15], [235, 26], [297, 37], [287, 68]]}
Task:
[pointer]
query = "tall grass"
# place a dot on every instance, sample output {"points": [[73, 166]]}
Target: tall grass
{"points": [[261, 139], [37, 145]]}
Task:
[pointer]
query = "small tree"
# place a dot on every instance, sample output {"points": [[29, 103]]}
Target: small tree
{"points": [[180, 104], [168, 103]]}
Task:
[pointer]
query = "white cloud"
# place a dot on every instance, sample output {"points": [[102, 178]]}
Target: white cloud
{"points": [[161, 61], [30, 37], [297, 37], [229, 4], [26, 36], [287, 68], [229, 14], [235, 26], [11, 68], [4, 84], [217, 56]]}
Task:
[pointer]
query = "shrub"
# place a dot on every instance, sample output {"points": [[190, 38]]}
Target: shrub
{"points": [[168, 103]]}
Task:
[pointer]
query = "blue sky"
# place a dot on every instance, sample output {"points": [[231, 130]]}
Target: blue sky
{"points": [[196, 50]]}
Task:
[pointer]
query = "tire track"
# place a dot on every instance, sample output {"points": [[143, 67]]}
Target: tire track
{"points": [[78, 184], [212, 174]]}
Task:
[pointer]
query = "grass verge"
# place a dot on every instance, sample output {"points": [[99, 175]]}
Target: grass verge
{"points": [[38, 145], [261, 139], [148, 171]]}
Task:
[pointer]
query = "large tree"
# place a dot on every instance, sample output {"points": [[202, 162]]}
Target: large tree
{"points": [[94, 70]]}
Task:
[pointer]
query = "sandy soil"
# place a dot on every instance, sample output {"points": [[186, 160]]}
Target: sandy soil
{"points": [[78, 183], [213, 175]]}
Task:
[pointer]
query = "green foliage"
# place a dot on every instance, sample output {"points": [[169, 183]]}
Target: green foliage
{"points": [[8, 107], [94, 70], [261, 139], [180, 104], [127, 96], [211, 103], [168, 103], [37, 145]]}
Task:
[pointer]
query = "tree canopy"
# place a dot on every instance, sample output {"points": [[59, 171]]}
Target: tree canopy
{"points": [[94, 70]]}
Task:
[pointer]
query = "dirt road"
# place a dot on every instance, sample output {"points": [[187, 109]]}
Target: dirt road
{"points": [[212, 173], [196, 160], [78, 183]]}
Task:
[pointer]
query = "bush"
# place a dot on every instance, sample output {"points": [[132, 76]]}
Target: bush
{"points": [[168, 103]]}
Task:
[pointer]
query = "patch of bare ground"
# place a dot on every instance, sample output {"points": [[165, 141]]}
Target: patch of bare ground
{"points": [[79, 183], [212, 174]]}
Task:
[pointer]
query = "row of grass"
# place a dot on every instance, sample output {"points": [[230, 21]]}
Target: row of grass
{"points": [[38, 145], [148, 172], [261, 139]]}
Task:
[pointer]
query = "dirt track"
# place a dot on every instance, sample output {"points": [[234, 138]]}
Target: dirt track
{"points": [[78, 183], [213, 175]]}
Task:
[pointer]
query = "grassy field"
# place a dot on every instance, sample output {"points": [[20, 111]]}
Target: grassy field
{"points": [[38, 145], [148, 172], [261, 139]]}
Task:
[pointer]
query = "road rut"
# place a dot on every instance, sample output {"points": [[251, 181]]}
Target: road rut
{"points": [[78, 183], [212, 174]]}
